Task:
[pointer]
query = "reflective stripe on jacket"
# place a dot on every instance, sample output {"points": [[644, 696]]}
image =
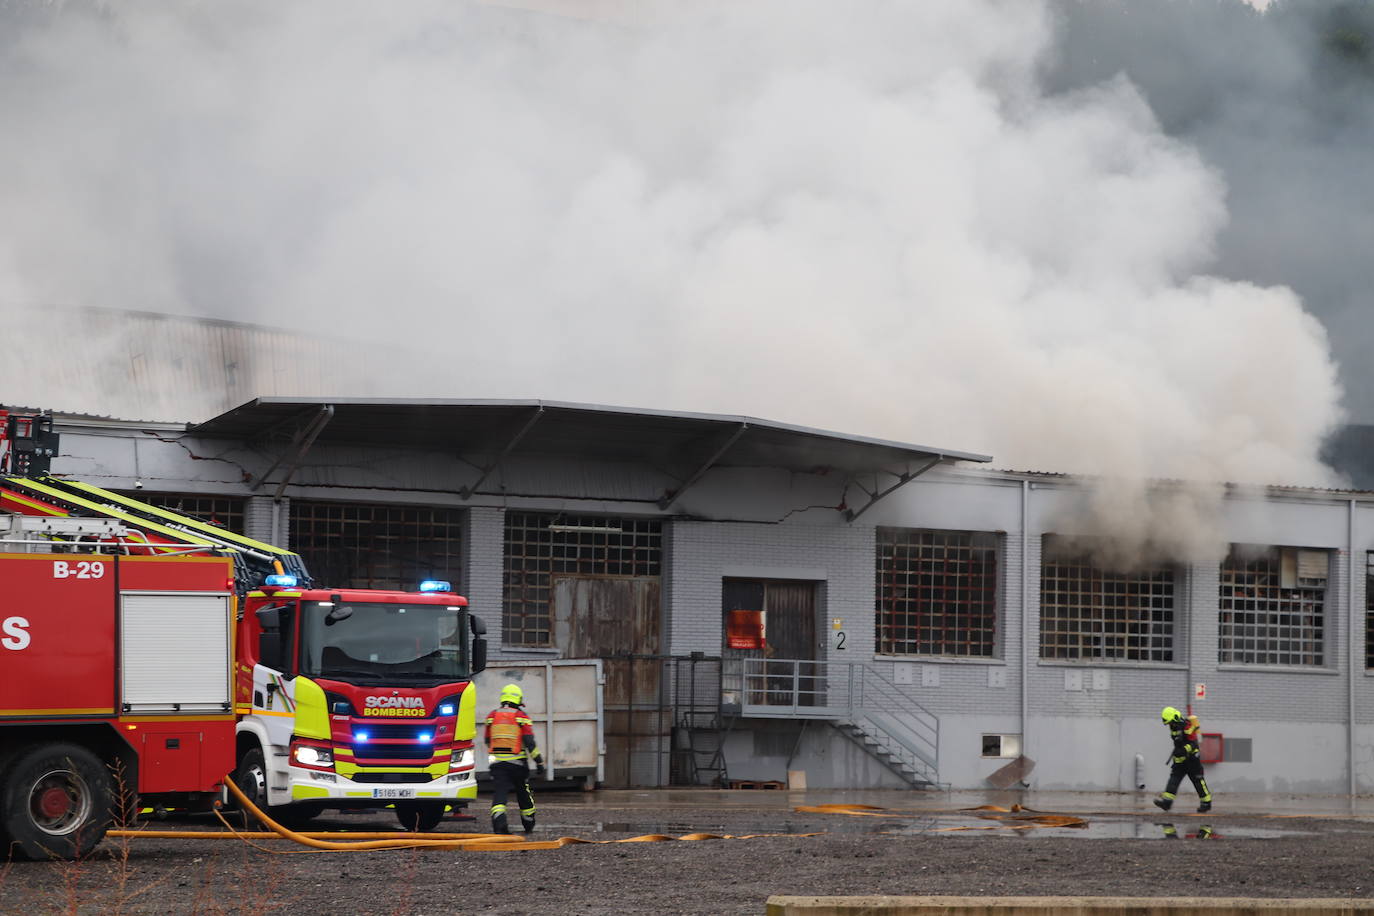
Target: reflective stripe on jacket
{"points": [[510, 735]]}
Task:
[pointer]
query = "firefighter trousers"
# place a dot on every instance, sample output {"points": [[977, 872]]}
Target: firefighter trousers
{"points": [[1191, 766], [508, 776]]}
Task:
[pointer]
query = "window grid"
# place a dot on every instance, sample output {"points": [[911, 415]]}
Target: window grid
{"points": [[1087, 612], [540, 546], [936, 592], [1263, 623], [382, 546], [1369, 611], [221, 511]]}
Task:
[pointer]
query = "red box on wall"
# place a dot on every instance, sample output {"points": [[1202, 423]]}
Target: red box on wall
{"points": [[1213, 748]]}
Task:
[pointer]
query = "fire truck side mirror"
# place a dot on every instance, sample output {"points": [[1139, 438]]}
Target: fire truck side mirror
{"points": [[479, 655], [477, 625]]}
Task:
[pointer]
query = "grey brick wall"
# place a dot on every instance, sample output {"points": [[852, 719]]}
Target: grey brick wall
{"points": [[701, 554], [257, 520], [483, 564]]}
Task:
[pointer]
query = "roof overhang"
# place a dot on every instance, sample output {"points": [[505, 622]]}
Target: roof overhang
{"points": [[692, 443]]}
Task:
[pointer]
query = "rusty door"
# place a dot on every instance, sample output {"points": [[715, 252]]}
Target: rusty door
{"points": [[617, 619], [790, 610]]}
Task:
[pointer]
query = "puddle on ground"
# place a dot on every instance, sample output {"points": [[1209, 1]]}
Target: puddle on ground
{"points": [[1092, 829], [639, 829]]}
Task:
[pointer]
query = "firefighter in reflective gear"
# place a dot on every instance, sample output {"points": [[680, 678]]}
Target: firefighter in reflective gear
{"points": [[1185, 760], [510, 744]]}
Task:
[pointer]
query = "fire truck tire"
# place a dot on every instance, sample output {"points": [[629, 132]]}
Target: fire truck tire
{"points": [[55, 802], [418, 816], [251, 778]]}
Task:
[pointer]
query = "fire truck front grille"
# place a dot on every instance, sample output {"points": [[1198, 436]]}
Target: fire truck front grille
{"points": [[406, 732], [391, 777], [393, 751]]}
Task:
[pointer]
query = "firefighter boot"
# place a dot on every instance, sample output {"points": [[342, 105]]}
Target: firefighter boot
{"points": [[1204, 807], [527, 823], [1164, 804], [498, 823]]}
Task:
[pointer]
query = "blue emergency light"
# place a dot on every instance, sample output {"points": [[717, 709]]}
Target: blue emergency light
{"points": [[281, 581], [435, 585], [360, 737], [424, 736], [446, 709]]}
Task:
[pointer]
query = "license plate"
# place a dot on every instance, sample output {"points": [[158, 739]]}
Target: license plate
{"points": [[393, 793]]}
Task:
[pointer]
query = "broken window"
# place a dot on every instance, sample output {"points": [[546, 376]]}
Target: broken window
{"points": [[936, 592], [385, 546], [1272, 606], [540, 546], [1093, 613]]}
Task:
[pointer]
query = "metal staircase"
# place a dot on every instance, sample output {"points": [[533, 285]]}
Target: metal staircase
{"points": [[860, 700]]}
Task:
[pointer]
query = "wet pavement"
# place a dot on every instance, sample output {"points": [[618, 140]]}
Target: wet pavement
{"points": [[1086, 803]]}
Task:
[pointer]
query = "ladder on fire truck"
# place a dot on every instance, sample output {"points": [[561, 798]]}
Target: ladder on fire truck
{"points": [[145, 528], [27, 446]]}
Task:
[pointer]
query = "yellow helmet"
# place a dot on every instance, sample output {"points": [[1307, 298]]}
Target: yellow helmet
{"points": [[1169, 714], [513, 695]]}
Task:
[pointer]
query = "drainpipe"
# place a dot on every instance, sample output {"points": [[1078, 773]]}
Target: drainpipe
{"points": [[1189, 583], [1025, 610], [1353, 652]]}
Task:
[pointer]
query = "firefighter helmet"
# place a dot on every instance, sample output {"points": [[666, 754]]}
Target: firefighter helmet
{"points": [[512, 694], [1169, 714]]}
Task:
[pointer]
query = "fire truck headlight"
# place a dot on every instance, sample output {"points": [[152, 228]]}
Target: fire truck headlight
{"points": [[314, 756], [461, 760]]}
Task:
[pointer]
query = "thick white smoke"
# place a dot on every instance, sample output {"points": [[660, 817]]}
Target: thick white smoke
{"points": [[865, 216]]}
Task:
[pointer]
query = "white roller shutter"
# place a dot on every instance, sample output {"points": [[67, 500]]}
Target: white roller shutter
{"points": [[175, 651]]}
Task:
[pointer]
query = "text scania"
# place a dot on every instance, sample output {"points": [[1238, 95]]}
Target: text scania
{"points": [[411, 707]]}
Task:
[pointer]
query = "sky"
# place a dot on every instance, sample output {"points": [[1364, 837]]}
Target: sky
{"points": [[1076, 236]]}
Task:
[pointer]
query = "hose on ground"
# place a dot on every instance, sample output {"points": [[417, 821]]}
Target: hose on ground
{"points": [[476, 842]]}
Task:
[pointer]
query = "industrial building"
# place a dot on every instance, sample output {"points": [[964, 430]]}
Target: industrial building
{"points": [[772, 600]]}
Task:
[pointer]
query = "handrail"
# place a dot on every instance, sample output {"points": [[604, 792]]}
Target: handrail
{"points": [[859, 694]]}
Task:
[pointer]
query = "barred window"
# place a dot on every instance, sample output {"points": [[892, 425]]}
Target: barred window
{"points": [[1369, 610], [1091, 613], [1272, 607], [384, 546], [540, 546], [936, 592], [221, 511]]}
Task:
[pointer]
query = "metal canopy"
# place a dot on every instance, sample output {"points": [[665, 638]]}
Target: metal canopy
{"points": [[688, 444]]}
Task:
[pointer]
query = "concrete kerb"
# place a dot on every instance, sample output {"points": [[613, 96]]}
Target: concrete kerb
{"points": [[1040, 906]]}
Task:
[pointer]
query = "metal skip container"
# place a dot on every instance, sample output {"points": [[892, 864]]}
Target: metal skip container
{"points": [[563, 699]]}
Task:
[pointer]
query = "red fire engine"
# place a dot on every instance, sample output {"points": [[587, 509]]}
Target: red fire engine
{"points": [[119, 676]]}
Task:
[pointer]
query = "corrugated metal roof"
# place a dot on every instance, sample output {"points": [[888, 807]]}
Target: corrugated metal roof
{"points": [[572, 430]]}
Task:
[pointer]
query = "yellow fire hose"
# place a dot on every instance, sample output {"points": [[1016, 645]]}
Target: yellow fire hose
{"points": [[319, 842]]}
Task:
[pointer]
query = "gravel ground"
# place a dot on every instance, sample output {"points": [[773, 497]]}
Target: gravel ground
{"points": [[1122, 851]]}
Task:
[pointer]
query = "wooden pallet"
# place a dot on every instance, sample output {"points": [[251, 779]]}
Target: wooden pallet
{"points": [[757, 784]]}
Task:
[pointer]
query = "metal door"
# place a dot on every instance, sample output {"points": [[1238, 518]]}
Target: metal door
{"points": [[617, 619], [791, 673]]}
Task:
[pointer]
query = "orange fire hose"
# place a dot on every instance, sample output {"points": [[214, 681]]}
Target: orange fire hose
{"points": [[484, 842]]}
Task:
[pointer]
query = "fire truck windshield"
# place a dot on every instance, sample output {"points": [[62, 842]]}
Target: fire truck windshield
{"points": [[367, 641]]}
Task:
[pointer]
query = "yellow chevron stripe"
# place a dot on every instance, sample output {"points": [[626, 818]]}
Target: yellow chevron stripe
{"points": [[35, 504]]}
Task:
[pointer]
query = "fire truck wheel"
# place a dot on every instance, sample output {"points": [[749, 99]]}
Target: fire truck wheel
{"points": [[56, 802], [251, 778], [419, 817]]}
